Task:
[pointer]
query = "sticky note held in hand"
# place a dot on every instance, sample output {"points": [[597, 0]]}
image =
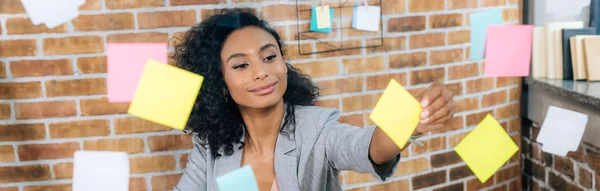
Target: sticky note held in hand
{"points": [[323, 17], [239, 179], [165, 94], [486, 148], [397, 113]]}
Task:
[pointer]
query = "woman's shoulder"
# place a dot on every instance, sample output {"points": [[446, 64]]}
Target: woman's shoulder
{"points": [[313, 113]]}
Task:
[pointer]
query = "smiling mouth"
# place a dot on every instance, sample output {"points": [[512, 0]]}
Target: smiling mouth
{"points": [[264, 89]]}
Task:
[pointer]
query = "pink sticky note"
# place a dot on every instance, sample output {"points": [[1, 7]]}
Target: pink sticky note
{"points": [[508, 50], [125, 63]]}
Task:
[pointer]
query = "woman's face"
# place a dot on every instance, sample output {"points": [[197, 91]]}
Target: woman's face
{"points": [[253, 67]]}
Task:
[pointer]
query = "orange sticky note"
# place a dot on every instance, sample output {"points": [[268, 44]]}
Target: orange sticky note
{"points": [[397, 113]]}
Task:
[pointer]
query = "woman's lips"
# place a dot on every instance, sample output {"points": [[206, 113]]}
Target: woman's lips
{"points": [[264, 89]]}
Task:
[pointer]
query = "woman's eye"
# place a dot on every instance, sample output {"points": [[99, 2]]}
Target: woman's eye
{"points": [[270, 58], [240, 66]]}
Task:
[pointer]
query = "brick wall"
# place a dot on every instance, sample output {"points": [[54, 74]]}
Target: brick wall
{"points": [[579, 170], [53, 89]]}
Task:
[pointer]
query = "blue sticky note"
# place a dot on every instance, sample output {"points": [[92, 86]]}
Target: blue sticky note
{"points": [[479, 24], [354, 16], [241, 179], [313, 21]]}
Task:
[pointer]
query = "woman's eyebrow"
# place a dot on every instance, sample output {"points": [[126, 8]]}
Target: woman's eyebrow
{"points": [[268, 45], [262, 48]]}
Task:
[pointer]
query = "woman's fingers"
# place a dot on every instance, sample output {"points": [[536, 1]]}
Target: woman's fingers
{"points": [[427, 113], [431, 94]]}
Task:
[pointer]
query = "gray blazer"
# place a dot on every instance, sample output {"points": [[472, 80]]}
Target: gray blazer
{"points": [[321, 148]]}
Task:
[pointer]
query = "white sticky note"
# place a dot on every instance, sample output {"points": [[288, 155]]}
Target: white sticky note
{"points": [[367, 18], [100, 171], [323, 17], [52, 13], [562, 130]]}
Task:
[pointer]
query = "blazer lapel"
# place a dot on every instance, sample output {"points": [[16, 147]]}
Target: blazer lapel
{"points": [[286, 163]]}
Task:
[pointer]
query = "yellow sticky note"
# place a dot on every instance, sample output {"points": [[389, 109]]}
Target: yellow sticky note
{"points": [[486, 148], [323, 17], [397, 113], [165, 94]]}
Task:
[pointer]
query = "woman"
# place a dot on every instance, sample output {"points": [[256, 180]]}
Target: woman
{"points": [[256, 109]]}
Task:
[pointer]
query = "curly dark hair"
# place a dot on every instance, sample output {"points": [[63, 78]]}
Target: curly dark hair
{"points": [[216, 121]]}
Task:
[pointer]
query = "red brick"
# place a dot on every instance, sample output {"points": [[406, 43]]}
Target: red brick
{"points": [[361, 65], [35, 172], [455, 88], [2, 70], [429, 179], [292, 52], [389, 44], [73, 129], [23, 47], [564, 166], [393, 7], [280, 12], [137, 125], [379, 82], [494, 98], [22, 132], [427, 40], [128, 4], [502, 81], [425, 5], [78, 87], [34, 68], [170, 142], [9, 189], [511, 110], [393, 185], [352, 177], [165, 182], [510, 14], [331, 103], [89, 65], [489, 3], [481, 84], [47, 151], [148, 164], [454, 139], [137, 184], [459, 37], [129, 145], [342, 85], [430, 145], [461, 4], [475, 118], [116, 21], [361, 102], [446, 56], [101, 106], [11, 7], [183, 160], [508, 173], [20, 90], [585, 178], [195, 2], [19, 26], [47, 109], [466, 104], [460, 172], [319, 68], [346, 44], [445, 20], [63, 170], [463, 71], [514, 94], [452, 187], [405, 24], [91, 5], [408, 60], [161, 19], [445, 159], [475, 184], [427, 76], [54, 187], [152, 37], [73, 45], [7, 153], [5, 112], [412, 166]]}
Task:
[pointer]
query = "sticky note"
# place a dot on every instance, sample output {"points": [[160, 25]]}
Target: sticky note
{"points": [[166, 94], [354, 9], [486, 148], [397, 113], [241, 179], [100, 171], [562, 130], [125, 63], [313, 22], [479, 25], [323, 17], [52, 13], [508, 50], [367, 18]]}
